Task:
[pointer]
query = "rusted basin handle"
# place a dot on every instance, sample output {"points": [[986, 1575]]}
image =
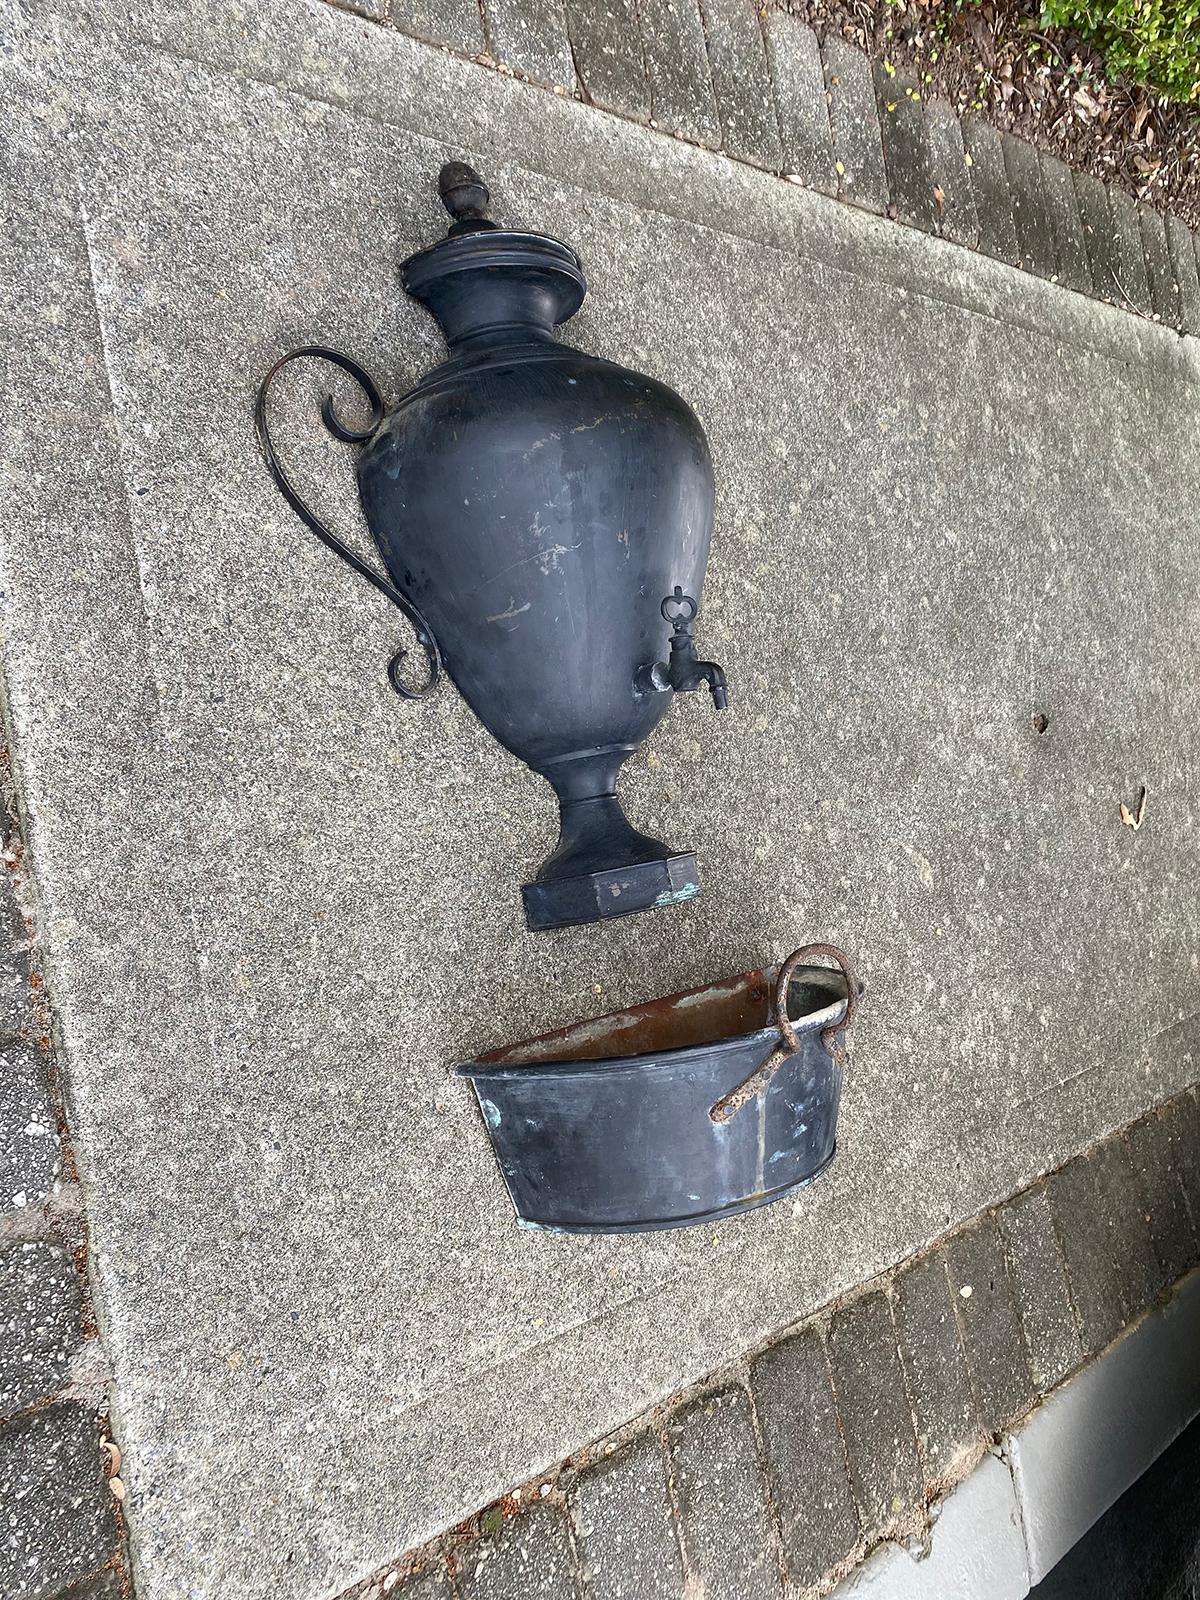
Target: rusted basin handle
{"points": [[832, 1037]]}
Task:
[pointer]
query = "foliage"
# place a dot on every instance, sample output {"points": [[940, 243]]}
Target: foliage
{"points": [[1151, 42]]}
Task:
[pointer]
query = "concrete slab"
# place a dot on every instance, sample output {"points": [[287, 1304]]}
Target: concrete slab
{"points": [[1164, 286], [994, 203], [623, 1528], [722, 1499], [1149, 1145], [991, 1325], [243, 794], [532, 36], [1097, 1434], [1187, 273], [681, 89], [56, 1512], [976, 1551], [39, 1322], [29, 1152], [938, 1381], [453, 22], [1133, 280], [530, 1558], [804, 1455], [1040, 1282], [1070, 245], [875, 1413], [1104, 257], [1035, 232]]}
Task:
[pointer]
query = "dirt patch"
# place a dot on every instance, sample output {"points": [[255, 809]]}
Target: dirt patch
{"points": [[1043, 84]]}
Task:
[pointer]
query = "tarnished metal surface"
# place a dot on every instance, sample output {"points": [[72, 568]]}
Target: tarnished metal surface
{"points": [[608, 1125]]}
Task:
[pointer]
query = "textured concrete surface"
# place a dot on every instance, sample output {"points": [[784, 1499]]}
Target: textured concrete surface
{"points": [[948, 169], [531, 35], [55, 1516], [876, 1416], [607, 44], [1035, 231], [991, 1325], [1035, 1261], [857, 144], [802, 1445], [681, 89], [29, 1153], [994, 201], [939, 1383], [1062, 204], [1187, 273], [905, 147], [782, 1486], [1133, 280], [738, 60], [453, 22], [1164, 287], [530, 1558], [722, 1504], [39, 1322], [300, 1239], [623, 1527], [799, 80], [1104, 257], [1149, 1145]]}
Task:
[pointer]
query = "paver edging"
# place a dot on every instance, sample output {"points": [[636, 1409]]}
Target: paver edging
{"points": [[444, 1557], [1015, 224]]}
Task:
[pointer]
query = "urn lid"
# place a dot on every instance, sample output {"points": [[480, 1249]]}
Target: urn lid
{"points": [[491, 256]]}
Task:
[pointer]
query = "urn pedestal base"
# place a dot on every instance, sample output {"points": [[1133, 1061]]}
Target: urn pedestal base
{"points": [[615, 892]]}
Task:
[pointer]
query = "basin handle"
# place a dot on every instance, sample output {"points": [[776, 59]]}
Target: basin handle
{"points": [[347, 435], [833, 1037]]}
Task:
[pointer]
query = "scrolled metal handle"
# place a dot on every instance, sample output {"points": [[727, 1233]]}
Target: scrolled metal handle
{"points": [[347, 435], [833, 1037], [685, 609]]}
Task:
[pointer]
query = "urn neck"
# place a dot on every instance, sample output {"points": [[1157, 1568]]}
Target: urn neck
{"points": [[496, 288]]}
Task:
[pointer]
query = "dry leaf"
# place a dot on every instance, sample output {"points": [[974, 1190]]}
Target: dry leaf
{"points": [[1133, 819], [939, 197], [117, 1487], [112, 1456]]}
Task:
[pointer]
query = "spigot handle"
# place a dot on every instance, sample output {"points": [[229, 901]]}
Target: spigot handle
{"points": [[326, 535]]}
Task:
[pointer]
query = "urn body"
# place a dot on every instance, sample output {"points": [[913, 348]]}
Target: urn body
{"points": [[537, 504]]}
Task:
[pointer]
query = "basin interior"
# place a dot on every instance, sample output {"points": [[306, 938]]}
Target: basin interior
{"points": [[693, 1017]]}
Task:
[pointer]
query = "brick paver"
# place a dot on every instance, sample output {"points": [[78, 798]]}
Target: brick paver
{"points": [[857, 144]]}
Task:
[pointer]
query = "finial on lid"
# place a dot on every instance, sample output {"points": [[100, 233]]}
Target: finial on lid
{"points": [[465, 196]]}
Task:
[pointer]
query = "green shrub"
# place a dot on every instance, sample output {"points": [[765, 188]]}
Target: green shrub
{"points": [[1151, 42]]}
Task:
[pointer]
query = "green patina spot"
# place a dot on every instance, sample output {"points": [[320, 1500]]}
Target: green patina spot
{"points": [[670, 897]]}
